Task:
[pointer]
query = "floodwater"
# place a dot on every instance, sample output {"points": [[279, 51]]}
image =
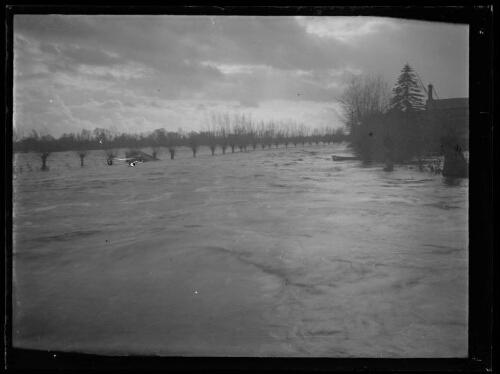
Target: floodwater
{"points": [[279, 252]]}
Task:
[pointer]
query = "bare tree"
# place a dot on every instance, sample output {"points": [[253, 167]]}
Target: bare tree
{"points": [[135, 147], [170, 141], [193, 142], [105, 139], [286, 133], [83, 144], [278, 137], [240, 123], [316, 136], [154, 152], [262, 134], [212, 132], [270, 133], [293, 133], [232, 141], [43, 146], [224, 122], [157, 138], [303, 132], [363, 96], [212, 141]]}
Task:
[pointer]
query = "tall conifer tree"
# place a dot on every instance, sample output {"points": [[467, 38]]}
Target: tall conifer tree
{"points": [[407, 94]]}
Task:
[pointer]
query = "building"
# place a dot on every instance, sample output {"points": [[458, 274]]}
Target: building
{"points": [[449, 118], [449, 121]]}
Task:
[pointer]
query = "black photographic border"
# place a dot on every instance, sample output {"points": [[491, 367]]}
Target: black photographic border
{"points": [[482, 80]]}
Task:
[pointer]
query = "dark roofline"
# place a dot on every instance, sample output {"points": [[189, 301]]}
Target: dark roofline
{"points": [[460, 102], [452, 98]]}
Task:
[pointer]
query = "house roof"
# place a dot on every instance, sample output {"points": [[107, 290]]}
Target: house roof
{"points": [[455, 103]]}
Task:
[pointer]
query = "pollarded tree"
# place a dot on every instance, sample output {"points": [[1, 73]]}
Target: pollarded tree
{"points": [[303, 132], [285, 132], [407, 93], [83, 144], [105, 139], [316, 136], [172, 141], [251, 132], [211, 138], [270, 133], [194, 142], [241, 129], [156, 140], [262, 134], [224, 130], [42, 145], [278, 135]]}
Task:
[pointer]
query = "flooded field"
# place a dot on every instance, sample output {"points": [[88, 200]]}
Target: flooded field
{"points": [[279, 252]]}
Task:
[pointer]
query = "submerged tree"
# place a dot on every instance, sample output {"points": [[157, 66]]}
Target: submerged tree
{"points": [[82, 144], [211, 132], [156, 140], [172, 141], [43, 146], [211, 140], [194, 142]]}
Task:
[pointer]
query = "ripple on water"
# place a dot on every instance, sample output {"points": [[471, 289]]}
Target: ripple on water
{"points": [[67, 236], [443, 206]]}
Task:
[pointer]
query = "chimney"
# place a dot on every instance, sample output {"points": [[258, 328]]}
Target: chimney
{"points": [[430, 91]]}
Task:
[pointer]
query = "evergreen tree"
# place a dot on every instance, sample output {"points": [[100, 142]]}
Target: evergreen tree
{"points": [[407, 94]]}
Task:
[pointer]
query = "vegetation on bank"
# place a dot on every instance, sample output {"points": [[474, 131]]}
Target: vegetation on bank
{"points": [[393, 126]]}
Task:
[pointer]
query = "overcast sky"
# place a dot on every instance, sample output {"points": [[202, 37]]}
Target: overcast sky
{"points": [[140, 73]]}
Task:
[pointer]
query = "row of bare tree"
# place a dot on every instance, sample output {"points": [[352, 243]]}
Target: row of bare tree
{"points": [[239, 131], [223, 130]]}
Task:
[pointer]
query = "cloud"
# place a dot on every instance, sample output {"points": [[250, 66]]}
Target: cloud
{"points": [[88, 56], [110, 105], [279, 42], [168, 71], [345, 29], [229, 69]]}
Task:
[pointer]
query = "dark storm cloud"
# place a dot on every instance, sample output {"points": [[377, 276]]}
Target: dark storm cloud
{"points": [[278, 42], [54, 27], [175, 45]]}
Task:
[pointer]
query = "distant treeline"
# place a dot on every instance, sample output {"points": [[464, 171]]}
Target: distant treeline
{"points": [[223, 131], [234, 136]]}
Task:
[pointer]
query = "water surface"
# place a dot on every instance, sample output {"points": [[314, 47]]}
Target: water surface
{"points": [[279, 252]]}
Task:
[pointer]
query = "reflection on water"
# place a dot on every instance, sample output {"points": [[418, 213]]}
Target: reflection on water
{"points": [[266, 253], [454, 182]]}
